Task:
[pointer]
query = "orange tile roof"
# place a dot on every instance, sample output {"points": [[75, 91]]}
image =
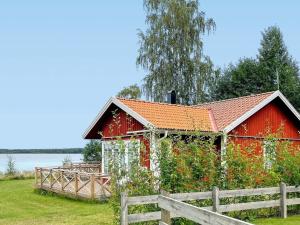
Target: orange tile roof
{"points": [[227, 111], [170, 116], [212, 116]]}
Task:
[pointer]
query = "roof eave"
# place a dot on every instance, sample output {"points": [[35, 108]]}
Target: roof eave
{"points": [[122, 106]]}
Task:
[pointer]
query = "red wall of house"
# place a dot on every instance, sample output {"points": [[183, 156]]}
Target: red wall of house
{"points": [[273, 118], [116, 123]]}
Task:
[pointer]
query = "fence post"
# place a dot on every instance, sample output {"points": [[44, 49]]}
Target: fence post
{"points": [[92, 177], [124, 208], [216, 199], [62, 179], [51, 178], [283, 206], [41, 176], [165, 215], [76, 184]]}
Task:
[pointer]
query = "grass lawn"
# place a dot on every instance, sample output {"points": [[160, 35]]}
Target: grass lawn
{"points": [[291, 220], [20, 205]]}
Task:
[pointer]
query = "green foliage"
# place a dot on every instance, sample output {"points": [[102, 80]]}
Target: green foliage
{"points": [[251, 76], [192, 166], [92, 152], [11, 166], [240, 80], [135, 179], [288, 163], [190, 163], [67, 160], [131, 92], [17, 176], [274, 58], [171, 50]]}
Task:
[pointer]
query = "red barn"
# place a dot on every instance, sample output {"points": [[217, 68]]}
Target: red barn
{"points": [[242, 120]]}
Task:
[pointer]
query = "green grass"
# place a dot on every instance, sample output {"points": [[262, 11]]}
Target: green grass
{"points": [[291, 220], [20, 205]]}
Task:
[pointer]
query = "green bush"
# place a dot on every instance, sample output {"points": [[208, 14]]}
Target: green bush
{"points": [[92, 152], [11, 166], [192, 164]]}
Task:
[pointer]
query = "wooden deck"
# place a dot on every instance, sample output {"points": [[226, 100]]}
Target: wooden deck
{"points": [[74, 183]]}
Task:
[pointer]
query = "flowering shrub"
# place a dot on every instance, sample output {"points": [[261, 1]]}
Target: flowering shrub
{"points": [[189, 163]]}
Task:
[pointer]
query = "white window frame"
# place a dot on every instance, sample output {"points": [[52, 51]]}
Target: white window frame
{"points": [[126, 143]]}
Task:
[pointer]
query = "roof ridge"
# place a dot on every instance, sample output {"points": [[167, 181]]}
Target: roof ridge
{"points": [[231, 99], [160, 103], [194, 106]]}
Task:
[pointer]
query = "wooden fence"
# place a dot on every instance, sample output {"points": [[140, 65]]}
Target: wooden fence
{"points": [[193, 213], [282, 202], [73, 182], [92, 167]]}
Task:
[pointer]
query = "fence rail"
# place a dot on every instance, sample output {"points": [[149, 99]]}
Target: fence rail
{"points": [[216, 195], [91, 167], [62, 180], [196, 214]]}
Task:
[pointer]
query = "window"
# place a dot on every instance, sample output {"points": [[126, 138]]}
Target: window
{"points": [[125, 152], [269, 151]]}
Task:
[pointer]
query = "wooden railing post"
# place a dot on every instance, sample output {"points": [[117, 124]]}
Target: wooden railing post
{"points": [[92, 177], [124, 208], [76, 183], [165, 214], [283, 206], [41, 177], [62, 180], [216, 199], [51, 178]]}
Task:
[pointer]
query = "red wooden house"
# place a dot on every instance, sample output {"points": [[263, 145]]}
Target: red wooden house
{"points": [[242, 120]]}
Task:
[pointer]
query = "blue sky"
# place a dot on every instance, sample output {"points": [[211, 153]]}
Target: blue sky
{"points": [[61, 60]]}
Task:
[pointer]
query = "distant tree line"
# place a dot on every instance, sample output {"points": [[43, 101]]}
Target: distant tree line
{"points": [[171, 54], [42, 151]]}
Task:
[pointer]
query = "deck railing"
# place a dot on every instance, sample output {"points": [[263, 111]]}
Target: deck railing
{"points": [[92, 167], [72, 182]]}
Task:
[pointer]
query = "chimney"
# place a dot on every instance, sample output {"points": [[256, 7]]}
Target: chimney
{"points": [[171, 97]]}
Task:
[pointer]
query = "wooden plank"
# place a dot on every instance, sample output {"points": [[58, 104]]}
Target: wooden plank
{"points": [[124, 209], [93, 186], [142, 200], [76, 183], [283, 206], [153, 199], [216, 199], [62, 180], [249, 205], [293, 201], [196, 214], [150, 216], [162, 223], [290, 189], [192, 196], [249, 192], [165, 214], [143, 217]]}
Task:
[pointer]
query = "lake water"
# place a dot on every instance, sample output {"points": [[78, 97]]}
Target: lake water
{"points": [[29, 161]]}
